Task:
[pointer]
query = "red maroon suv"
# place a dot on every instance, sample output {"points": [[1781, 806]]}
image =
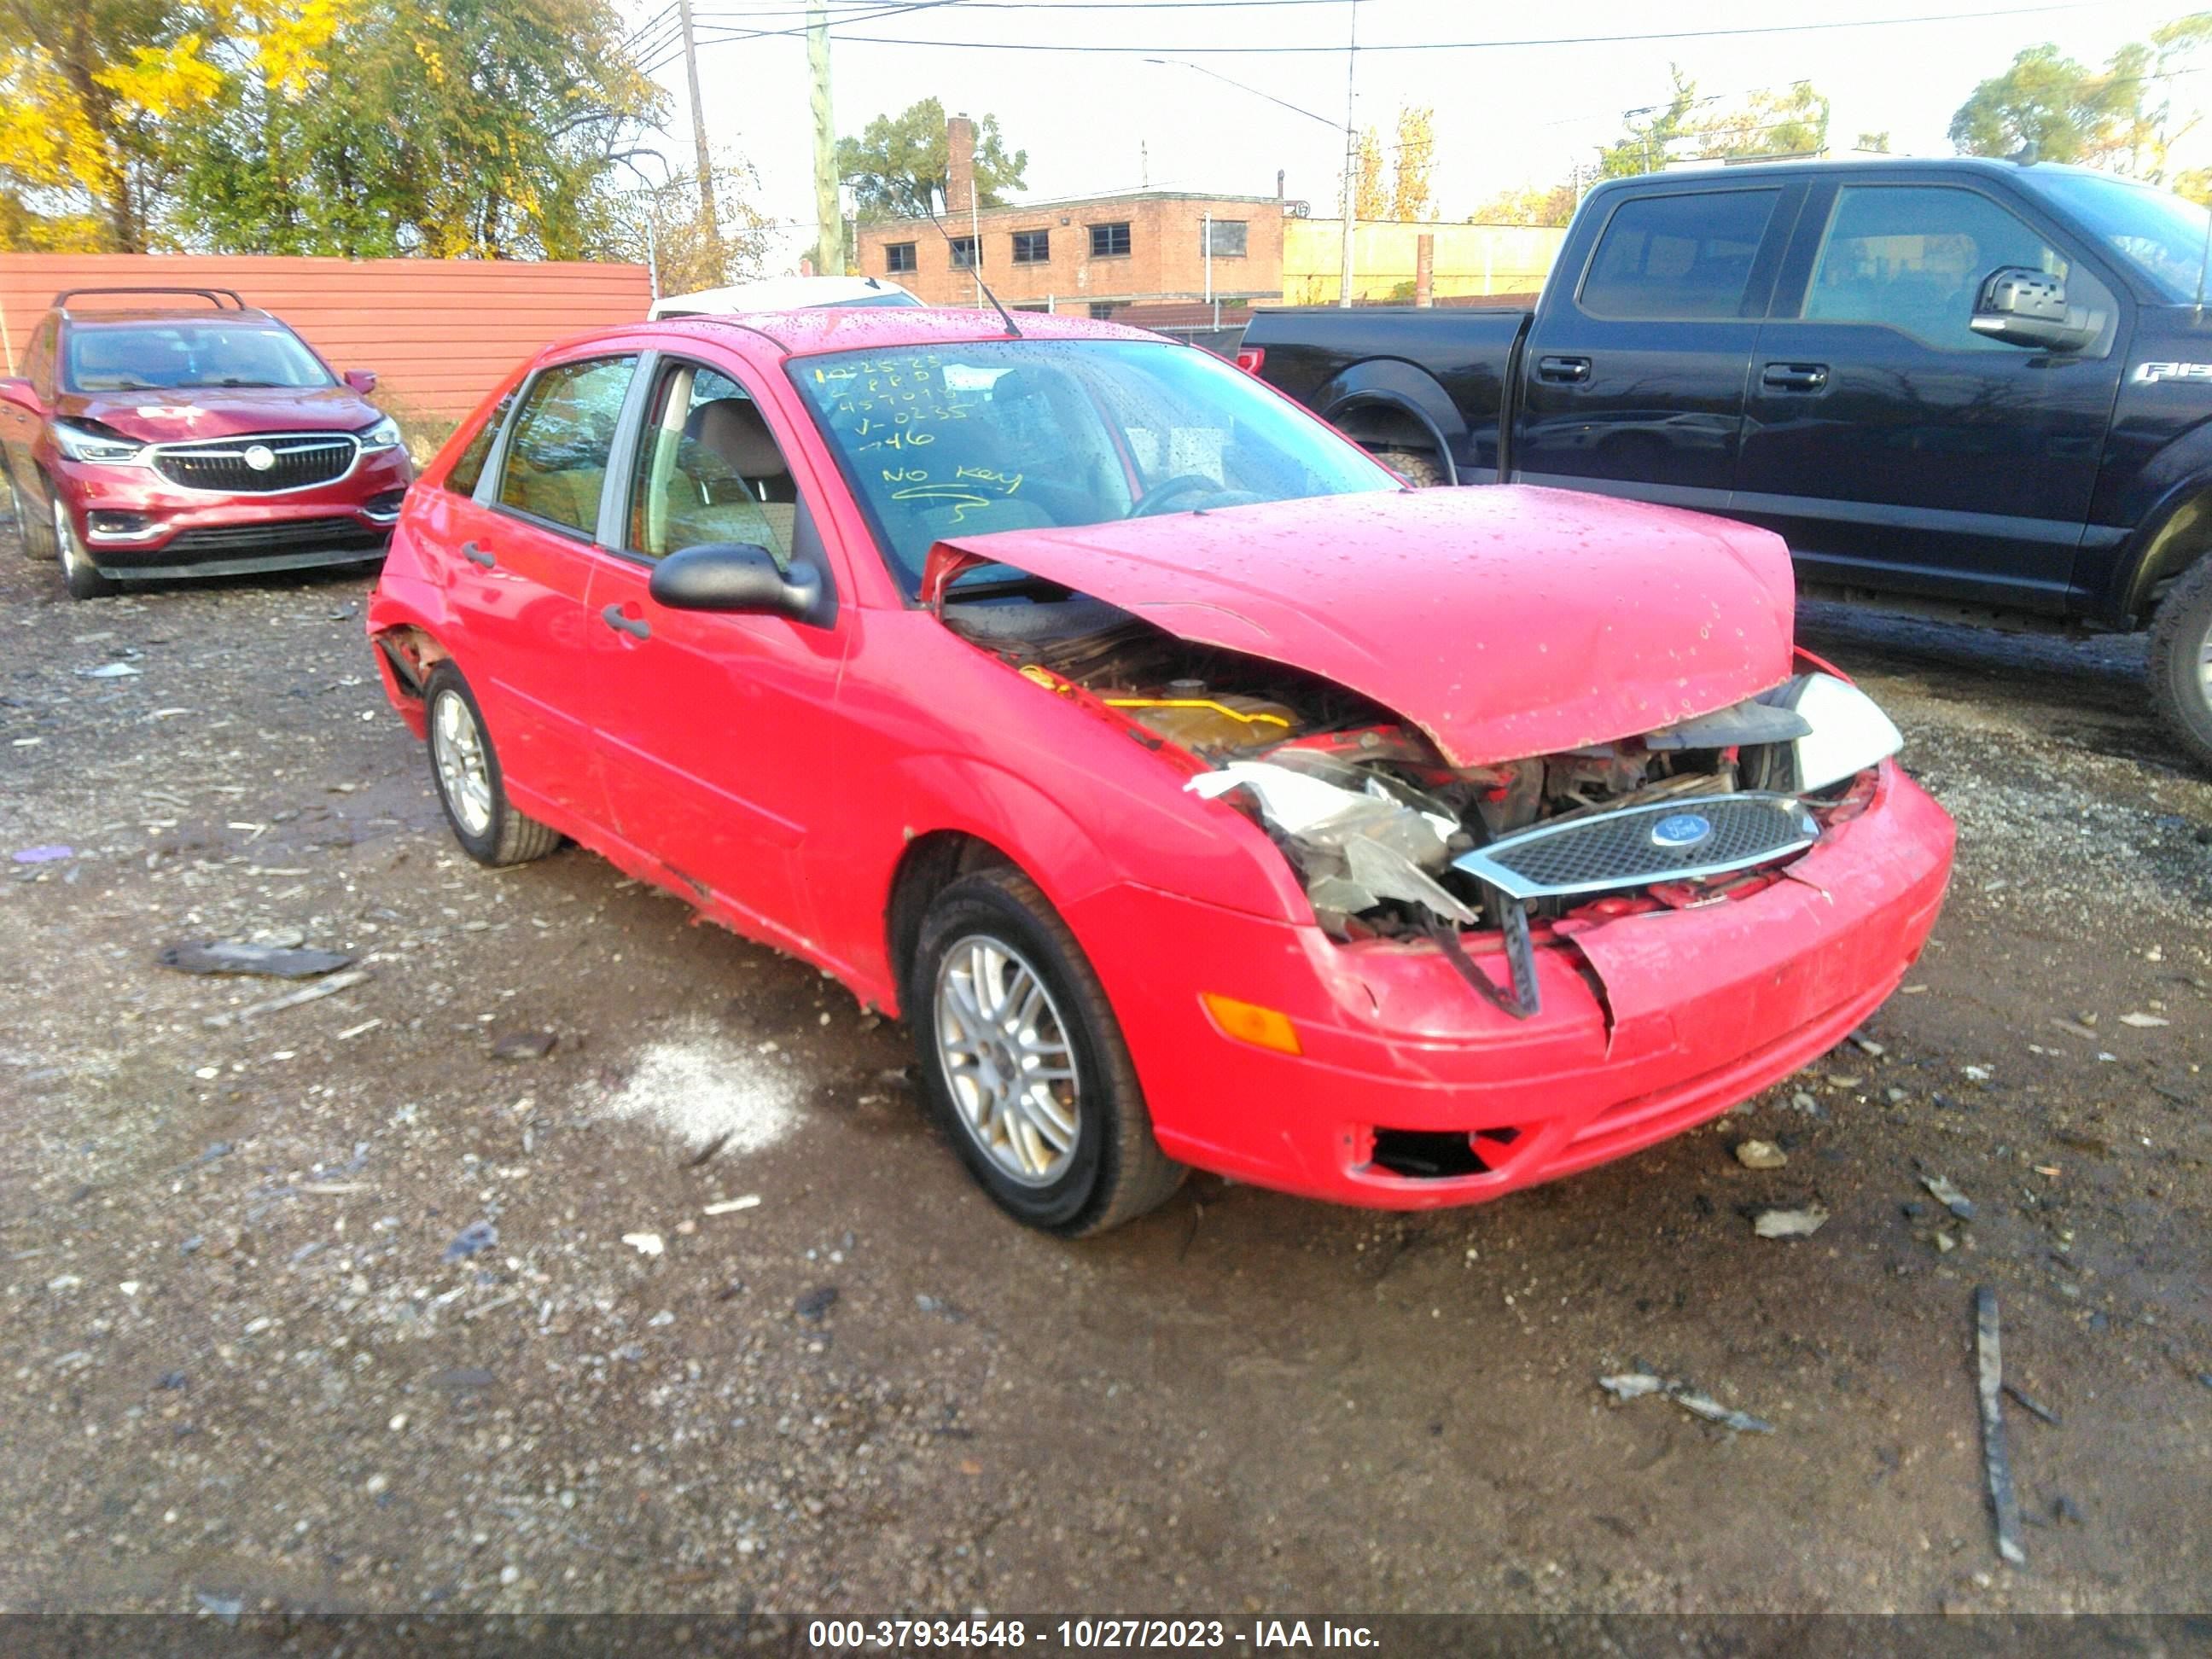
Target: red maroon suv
{"points": [[200, 439]]}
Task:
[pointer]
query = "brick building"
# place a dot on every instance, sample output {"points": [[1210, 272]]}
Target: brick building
{"points": [[1101, 254]]}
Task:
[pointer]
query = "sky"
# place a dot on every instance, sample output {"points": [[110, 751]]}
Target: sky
{"points": [[1097, 118]]}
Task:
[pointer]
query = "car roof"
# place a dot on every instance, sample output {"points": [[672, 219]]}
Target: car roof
{"points": [[105, 315], [889, 328], [783, 293], [1983, 166]]}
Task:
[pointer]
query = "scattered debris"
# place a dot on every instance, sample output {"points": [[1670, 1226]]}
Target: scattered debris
{"points": [[1990, 1373], [2143, 1022], [1789, 1224], [817, 1303], [225, 1608], [227, 956], [1948, 1196], [43, 854], [1975, 1073], [644, 1243], [1634, 1385], [108, 671], [321, 988], [1807, 1104], [1866, 1046], [730, 1205], [476, 1236], [2075, 1028], [1760, 1155], [525, 1045], [463, 1376], [2020, 1397]]}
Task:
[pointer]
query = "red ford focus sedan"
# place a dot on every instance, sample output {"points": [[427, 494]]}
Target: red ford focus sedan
{"points": [[1201, 794], [186, 434]]}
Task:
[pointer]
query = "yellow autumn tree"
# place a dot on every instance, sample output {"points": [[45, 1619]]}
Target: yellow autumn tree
{"points": [[1412, 197], [1371, 193]]}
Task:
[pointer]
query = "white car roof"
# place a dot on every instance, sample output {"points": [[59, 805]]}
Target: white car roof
{"points": [[782, 294]]}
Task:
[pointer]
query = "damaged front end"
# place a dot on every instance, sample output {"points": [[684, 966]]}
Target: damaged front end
{"points": [[1391, 840]]}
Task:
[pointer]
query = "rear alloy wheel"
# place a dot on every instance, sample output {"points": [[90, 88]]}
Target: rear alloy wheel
{"points": [[465, 768], [1023, 1064], [78, 574], [2181, 660]]}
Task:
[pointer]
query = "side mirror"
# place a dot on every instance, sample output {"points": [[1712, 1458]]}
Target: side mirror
{"points": [[2024, 306], [741, 577], [15, 389], [362, 380]]}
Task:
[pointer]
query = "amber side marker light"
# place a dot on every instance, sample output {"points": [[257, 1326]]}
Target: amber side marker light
{"points": [[1248, 1021]]}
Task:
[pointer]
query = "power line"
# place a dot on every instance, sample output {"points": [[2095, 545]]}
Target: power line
{"points": [[1481, 46]]}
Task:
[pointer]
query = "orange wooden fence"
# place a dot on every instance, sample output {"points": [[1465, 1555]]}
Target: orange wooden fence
{"points": [[440, 333]]}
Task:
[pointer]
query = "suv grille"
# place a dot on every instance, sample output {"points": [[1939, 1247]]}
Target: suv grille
{"points": [[1670, 841], [290, 461], [212, 540]]}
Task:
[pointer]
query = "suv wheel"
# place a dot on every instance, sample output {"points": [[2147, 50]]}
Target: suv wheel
{"points": [[1022, 1063], [1417, 467], [466, 769], [30, 526], [2181, 660], [84, 580]]}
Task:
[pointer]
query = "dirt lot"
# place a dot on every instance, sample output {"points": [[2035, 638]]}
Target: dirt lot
{"points": [[247, 1362]]}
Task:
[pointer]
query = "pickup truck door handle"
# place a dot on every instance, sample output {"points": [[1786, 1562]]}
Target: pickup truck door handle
{"points": [[1795, 377], [1565, 369], [636, 626], [476, 554]]}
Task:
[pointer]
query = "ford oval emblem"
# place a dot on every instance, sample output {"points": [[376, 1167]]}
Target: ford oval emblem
{"points": [[260, 457], [1681, 829]]}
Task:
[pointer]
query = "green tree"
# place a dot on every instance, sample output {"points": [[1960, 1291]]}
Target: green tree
{"points": [[1535, 205], [897, 166], [1642, 147], [1791, 123], [465, 128], [2044, 100]]}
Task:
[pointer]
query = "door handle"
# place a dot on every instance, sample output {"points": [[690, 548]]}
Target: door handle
{"points": [[476, 554], [1565, 370], [636, 626], [1795, 377]]}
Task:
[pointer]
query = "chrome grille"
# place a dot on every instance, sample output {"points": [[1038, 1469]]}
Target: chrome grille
{"points": [[294, 461], [1676, 839]]}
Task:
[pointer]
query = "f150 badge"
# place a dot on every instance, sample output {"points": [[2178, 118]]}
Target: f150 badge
{"points": [[2146, 373]]}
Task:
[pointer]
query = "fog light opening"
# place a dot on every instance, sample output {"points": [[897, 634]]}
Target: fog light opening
{"points": [[1441, 1154]]}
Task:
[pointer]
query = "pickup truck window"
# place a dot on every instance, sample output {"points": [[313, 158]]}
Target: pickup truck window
{"points": [[2160, 233], [1678, 256], [1913, 257]]}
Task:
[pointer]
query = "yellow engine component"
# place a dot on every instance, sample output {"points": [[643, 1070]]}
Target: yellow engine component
{"points": [[1229, 721]]}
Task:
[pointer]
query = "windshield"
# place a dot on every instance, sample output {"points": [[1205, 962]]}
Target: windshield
{"points": [[2158, 232], [1017, 434], [160, 356]]}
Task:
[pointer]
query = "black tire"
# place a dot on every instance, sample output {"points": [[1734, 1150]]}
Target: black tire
{"points": [[33, 537], [1417, 467], [2181, 660], [488, 828], [1115, 1171], [78, 575]]}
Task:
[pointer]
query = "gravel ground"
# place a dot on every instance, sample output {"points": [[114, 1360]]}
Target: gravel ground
{"points": [[350, 1305]]}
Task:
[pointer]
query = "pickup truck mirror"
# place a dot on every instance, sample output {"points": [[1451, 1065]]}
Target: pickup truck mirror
{"points": [[741, 577], [2024, 306]]}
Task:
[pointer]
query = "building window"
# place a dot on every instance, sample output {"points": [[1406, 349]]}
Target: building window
{"points": [[898, 258], [1032, 247], [1101, 312], [964, 253], [1108, 240], [1224, 238]]}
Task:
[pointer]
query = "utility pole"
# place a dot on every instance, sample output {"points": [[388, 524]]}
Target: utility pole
{"points": [[830, 224], [699, 138], [1350, 155]]}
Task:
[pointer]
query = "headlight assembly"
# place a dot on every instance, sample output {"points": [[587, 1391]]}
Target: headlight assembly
{"points": [[385, 434], [1850, 731], [99, 445]]}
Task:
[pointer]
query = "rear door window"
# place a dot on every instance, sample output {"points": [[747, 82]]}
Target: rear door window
{"points": [[556, 465], [1679, 257]]}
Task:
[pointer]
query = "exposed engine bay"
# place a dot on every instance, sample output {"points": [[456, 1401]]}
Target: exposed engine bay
{"points": [[1391, 841]]}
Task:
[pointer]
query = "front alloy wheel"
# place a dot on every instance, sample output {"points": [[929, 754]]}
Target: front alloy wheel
{"points": [[78, 574], [2181, 660], [1004, 1050]]}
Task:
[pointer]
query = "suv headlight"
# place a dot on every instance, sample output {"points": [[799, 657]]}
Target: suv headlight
{"points": [[1850, 731], [385, 434], [88, 441]]}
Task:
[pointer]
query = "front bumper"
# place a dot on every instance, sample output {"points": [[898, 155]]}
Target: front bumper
{"points": [[137, 526], [1650, 1023]]}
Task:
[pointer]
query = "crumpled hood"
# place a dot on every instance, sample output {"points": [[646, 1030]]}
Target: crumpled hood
{"points": [[1505, 622], [178, 413]]}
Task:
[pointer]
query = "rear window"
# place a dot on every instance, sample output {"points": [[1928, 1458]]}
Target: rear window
{"points": [[1678, 257], [160, 356]]}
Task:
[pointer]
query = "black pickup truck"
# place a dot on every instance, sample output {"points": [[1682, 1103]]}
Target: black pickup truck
{"points": [[1978, 390]]}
